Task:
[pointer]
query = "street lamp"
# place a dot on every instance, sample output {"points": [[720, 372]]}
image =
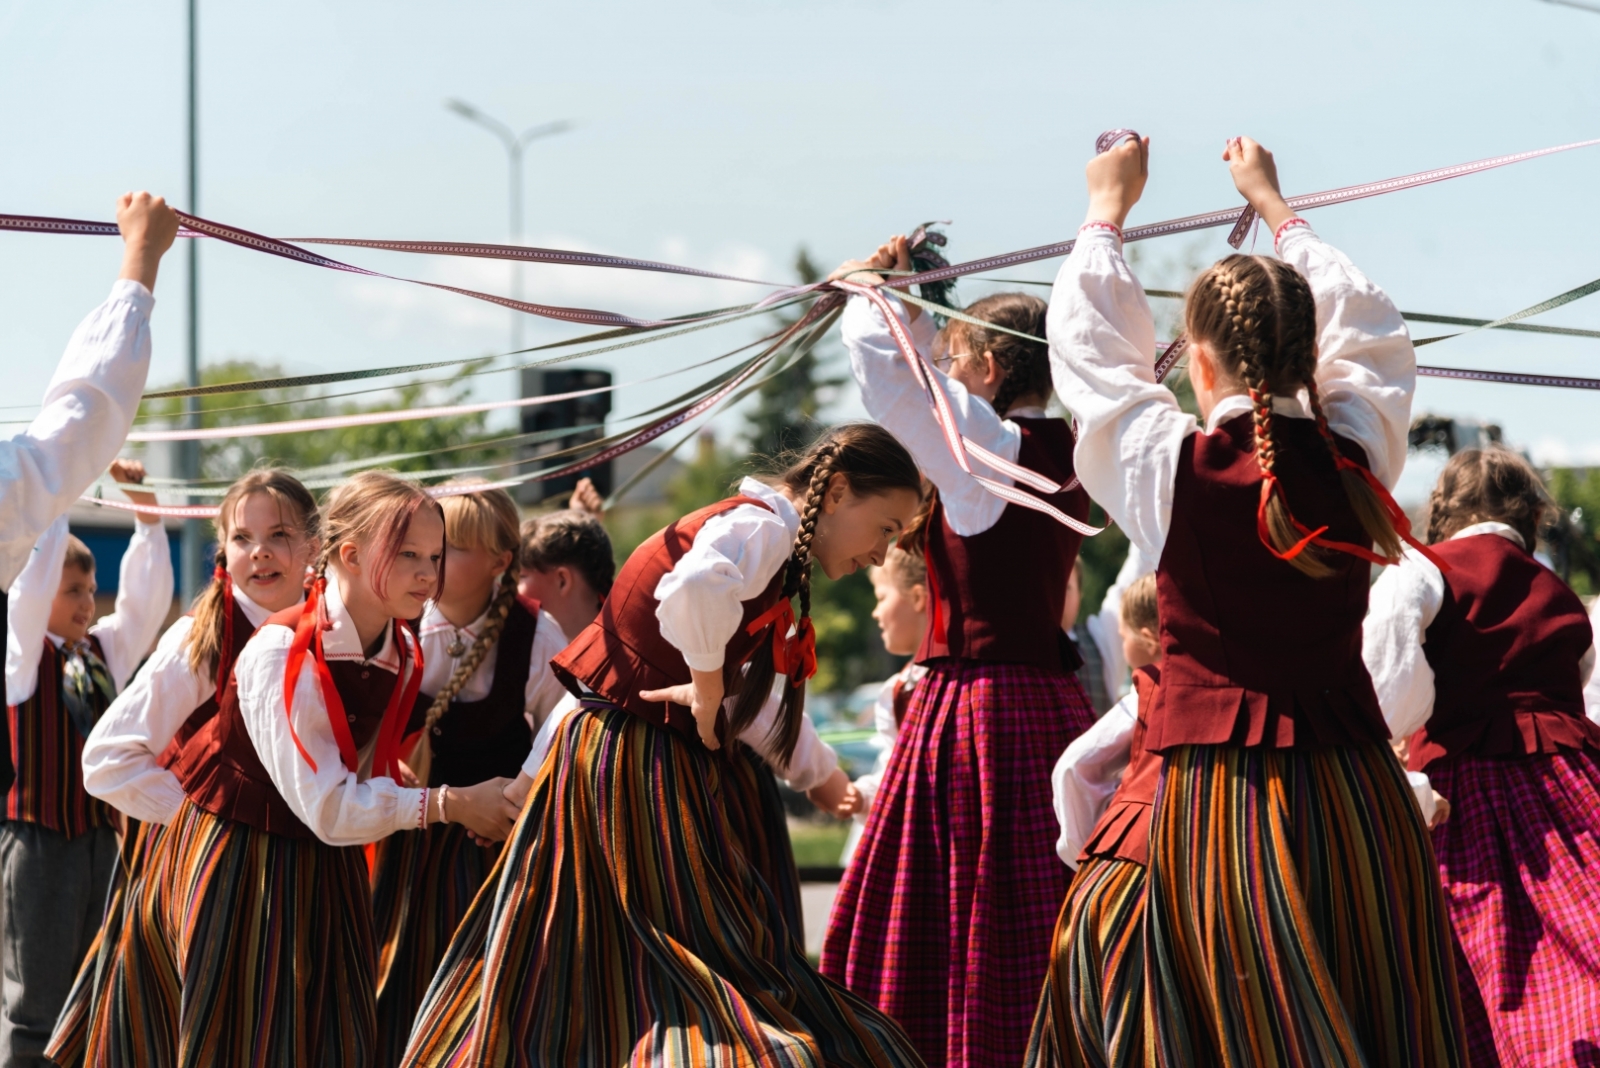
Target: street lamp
{"points": [[514, 143]]}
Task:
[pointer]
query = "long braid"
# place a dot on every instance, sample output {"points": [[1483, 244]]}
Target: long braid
{"points": [[1363, 500]]}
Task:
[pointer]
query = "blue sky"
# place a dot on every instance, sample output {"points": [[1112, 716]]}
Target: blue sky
{"points": [[724, 135]]}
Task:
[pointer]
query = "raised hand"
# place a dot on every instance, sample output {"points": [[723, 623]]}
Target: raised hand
{"points": [[128, 473], [893, 254], [704, 698], [1116, 180], [1255, 175], [148, 228]]}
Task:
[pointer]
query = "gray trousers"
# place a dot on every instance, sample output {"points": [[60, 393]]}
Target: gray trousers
{"points": [[52, 900]]}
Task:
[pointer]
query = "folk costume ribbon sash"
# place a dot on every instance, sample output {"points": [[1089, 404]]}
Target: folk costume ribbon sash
{"points": [[794, 655], [307, 644]]}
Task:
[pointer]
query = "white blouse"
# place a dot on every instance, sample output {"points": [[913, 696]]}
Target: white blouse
{"points": [[87, 412], [341, 807], [119, 759], [1088, 774], [1130, 428], [542, 690], [1403, 604], [1591, 692], [888, 731], [894, 399], [144, 596]]}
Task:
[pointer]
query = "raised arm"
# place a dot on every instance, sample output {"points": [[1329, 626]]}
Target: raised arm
{"points": [[1401, 607], [144, 597]]}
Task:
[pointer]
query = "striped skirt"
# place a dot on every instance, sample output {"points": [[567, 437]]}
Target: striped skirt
{"points": [[270, 940], [628, 925], [111, 993], [1294, 915], [1091, 1014], [944, 917], [422, 883], [1520, 860]]}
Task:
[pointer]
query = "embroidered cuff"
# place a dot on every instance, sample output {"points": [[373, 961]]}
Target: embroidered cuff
{"points": [[1098, 224], [422, 811], [1293, 220]]}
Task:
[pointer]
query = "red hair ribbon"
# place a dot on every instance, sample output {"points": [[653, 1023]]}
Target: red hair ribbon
{"points": [[793, 655], [308, 640], [225, 653], [1395, 514]]}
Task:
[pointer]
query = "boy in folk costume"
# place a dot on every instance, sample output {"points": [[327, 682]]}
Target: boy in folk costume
{"points": [[640, 914], [962, 822], [567, 565], [1304, 373], [1480, 657], [266, 529], [63, 668]]}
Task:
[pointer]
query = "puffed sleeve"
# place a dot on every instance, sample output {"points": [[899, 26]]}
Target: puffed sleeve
{"points": [[1402, 605], [733, 558], [87, 411], [340, 809], [543, 691]]}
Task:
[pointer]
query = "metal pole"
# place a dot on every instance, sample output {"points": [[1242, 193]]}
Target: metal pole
{"points": [[514, 151], [193, 531]]}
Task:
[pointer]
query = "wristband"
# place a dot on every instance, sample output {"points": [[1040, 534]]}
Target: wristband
{"points": [[1293, 220], [444, 795]]}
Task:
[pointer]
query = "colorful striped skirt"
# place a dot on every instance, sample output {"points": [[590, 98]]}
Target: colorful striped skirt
{"points": [[1294, 915], [111, 993], [1091, 1014], [270, 941], [629, 925], [422, 883], [1520, 860], [944, 917]]}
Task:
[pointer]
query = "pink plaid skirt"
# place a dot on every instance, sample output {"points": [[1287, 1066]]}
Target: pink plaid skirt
{"points": [[945, 916], [1520, 861]]}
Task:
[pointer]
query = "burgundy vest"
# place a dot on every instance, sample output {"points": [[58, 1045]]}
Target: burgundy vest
{"points": [[998, 595], [478, 740], [242, 629], [221, 772], [622, 652], [47, 752], [1123, 830], [1504, 650], [1254, 651]]}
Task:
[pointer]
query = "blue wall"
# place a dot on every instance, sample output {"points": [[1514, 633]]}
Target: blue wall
{"points": [[109, 543]]}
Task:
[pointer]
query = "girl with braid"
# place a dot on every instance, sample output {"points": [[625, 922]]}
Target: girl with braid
{"points": [[486, 653], [636, 920], [962, 822], [1292, 913], [266, 530], [260, 924]]}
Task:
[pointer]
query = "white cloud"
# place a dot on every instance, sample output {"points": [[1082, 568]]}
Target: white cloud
{"points": [[1563, 452]]}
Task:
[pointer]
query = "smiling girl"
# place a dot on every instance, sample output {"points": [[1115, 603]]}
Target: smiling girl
{"points": [[632, 923]]}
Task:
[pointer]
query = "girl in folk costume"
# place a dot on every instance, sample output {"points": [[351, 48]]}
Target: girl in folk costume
{"points": [[266, 536], [261, 917], [487, 675], [1293, 916], [962, 821], [633, 922], [57, 843], [1482, 663]]}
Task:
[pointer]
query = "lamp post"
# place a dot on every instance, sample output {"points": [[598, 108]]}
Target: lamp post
{"points": [[190, 547], [514, 145]]}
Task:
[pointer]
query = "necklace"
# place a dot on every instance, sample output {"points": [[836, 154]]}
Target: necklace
{"points": [[457, 646]]}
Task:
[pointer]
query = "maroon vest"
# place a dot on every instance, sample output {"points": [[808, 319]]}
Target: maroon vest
{"points": [[998, 595], [221, 771], [47, 752], [1504, 650], [242, 629], [622, 652], [1123, 831], [1254, 651], [478, 740]]}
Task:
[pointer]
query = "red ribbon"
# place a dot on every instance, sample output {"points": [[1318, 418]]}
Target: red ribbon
{"points": [[308, 640], [225, 654], [792, 655], [1396, 515]]}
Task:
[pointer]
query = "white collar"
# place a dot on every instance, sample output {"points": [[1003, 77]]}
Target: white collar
{"points": [[434, 622], [342, 642], [1239, 403], [252, 611], [58, 639], [1025, 411], [769, 495], [1507, 532]]}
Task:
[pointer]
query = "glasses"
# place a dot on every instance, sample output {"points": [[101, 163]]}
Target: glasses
{"points": [[948, 360]]}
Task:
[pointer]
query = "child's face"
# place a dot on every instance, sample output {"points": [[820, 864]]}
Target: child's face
{"points": [[413, 578], [470, 574], [72, 611], [1139, 647], [902, 614], [266, 553], [855, 531]]}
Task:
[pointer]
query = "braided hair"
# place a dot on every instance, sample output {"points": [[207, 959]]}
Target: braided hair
{"points": [[871, 462], [1026, 363], [1260, 318], [485, 519], [1488, 485]]}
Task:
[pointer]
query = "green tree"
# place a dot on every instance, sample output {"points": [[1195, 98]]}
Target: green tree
{"points": [[787, 411], [1573, 538]]}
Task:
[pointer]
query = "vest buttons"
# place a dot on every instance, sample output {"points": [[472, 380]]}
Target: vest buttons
{"points": [[365, 674], [351, 718], [437, 732]]}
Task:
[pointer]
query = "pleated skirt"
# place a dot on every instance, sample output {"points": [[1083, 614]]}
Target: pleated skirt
{"points": [[628, 923], [1520, 861], [944, 918], [110, 995], [1294, 915], [270, 943], [422, 884], [1091, 1013]]}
